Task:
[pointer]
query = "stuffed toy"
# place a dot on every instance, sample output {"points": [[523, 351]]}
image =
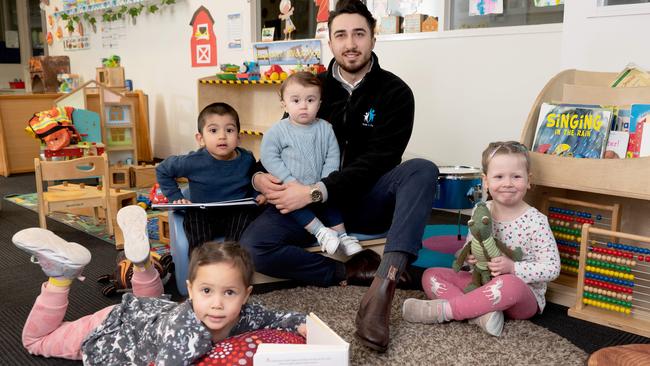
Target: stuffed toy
{"points": [[54, 128], [483, 246], [120, 280]]}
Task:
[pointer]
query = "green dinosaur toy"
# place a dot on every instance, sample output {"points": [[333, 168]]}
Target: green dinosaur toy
{"points": [[483, 246]]}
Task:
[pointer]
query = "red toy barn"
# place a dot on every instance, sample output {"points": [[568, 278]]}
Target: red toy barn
{"points": [[203, 42]]}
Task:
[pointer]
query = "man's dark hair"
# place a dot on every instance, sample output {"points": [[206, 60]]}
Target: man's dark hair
{"points": [[352, 7], [222, 109]]}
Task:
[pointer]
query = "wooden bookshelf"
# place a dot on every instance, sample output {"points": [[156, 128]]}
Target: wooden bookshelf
{"points": [[603, 181], [256, 102]]}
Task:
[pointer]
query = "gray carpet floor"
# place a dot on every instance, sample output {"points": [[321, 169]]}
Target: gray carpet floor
{"points": [[454, 343], [552, 338]]}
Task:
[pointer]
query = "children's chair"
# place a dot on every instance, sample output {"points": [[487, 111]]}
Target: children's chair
{"points": [[86, 167]]}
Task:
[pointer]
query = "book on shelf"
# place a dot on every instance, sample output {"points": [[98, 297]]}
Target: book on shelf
{"points": [[178, 206], [573, 130], [637, 113], [631, 76], [617, 145]]}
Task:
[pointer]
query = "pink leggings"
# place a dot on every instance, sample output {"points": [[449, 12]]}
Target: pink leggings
{"points": [[507, 293], [46, 334]]}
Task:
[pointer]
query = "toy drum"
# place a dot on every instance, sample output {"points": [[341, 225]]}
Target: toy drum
{"points": [[459, 187]]}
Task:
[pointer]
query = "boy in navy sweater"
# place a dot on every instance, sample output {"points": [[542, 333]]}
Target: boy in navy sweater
{"points": [[218, 171]]}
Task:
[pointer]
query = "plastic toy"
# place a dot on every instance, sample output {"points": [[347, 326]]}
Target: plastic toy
{"points": [[286, 11], [54, 128], [156, 196], [112, 61], [275, 72], [483, 246], [229, 72], [251, 71], [317, 68]]}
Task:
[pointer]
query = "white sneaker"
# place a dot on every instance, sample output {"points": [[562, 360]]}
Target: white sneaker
{"points": [[425, 311], [133, 222], [328, 240], [57, 257], [349, 245], [491, 323]]}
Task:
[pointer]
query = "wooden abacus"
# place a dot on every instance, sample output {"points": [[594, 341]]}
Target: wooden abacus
{"points": [[614, 280], [566, 217]]}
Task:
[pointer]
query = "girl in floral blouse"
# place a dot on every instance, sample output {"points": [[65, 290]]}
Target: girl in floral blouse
{"points": [[517, 289], [144, 329]]}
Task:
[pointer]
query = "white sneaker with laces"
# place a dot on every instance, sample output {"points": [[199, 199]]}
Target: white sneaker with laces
{"points": [[133, 222], [328, 240], [57, 257], [349, 245], [491, 323]]}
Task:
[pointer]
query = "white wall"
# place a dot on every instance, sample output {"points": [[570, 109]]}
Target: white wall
{"points": [[469, 89], [605, 39]]}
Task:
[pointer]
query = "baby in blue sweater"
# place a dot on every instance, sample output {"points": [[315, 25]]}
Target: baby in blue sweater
{"points": [[303, 147], [218, 171]]}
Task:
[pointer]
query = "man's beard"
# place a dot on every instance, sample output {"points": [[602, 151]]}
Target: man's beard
{"points": [[356, 67]]}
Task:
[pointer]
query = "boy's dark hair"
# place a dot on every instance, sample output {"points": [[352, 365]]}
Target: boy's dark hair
{"points": [[303, 78], [228, 252], [222, 109], [352, 7]]}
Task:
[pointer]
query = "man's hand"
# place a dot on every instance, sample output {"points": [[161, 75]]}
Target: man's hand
{"points": [[501, 265], [266, 183], [293, 197], [182, 201], [260, 199]]}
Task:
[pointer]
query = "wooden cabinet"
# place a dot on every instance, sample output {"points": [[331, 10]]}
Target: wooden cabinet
{"points": [[601, 181], [18, 149], [256, 102]]}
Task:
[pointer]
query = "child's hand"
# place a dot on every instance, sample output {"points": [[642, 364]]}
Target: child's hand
{"points": [[471, 259], [302, 330], [260, 199], [501, 265], [182, 201]]}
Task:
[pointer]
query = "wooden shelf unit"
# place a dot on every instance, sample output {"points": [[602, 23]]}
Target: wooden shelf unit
{"points": [[256, 102], [601, 181]]}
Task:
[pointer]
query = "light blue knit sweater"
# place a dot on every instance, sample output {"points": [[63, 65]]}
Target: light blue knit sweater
{"points": [[305, 153]]}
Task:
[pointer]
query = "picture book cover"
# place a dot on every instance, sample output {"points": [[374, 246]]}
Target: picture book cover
{"points": [[638, 112], [636, 139], [578, 131], [617, 145]]}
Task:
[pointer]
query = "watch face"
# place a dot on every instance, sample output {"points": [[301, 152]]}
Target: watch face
{"points": [[316, 195]]}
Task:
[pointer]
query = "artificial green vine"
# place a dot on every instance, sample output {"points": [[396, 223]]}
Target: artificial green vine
{"points": [[112, 15]]}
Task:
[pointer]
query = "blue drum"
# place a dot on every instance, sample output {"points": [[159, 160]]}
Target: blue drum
{"points": [[459, 187]]}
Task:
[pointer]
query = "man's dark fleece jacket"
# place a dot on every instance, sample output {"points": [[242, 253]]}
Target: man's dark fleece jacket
{"points": [[373, 126]]}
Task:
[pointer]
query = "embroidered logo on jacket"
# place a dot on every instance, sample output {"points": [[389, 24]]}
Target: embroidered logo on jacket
{"points": [[369, 118]]}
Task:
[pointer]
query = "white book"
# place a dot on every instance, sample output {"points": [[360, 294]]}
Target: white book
{"points": [[617, 144], [324, 348], [178, 206]]}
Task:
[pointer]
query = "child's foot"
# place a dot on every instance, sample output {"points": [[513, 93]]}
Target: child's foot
{"points": [[426, 311], [57, 257], [349, 245], [133, 222], [328, 240], [491, 323]]}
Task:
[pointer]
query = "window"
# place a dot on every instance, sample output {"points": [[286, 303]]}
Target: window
{"points": [[10, 29], [511, 13], [277, 14]]}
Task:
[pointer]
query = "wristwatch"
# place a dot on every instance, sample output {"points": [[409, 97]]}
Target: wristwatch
{"points": [[316, 194]]}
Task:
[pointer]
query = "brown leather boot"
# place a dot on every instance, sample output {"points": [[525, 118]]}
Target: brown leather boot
{"points": [[374, 312]]}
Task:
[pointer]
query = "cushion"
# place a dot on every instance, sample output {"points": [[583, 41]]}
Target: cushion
{"points": [[239, 349]]}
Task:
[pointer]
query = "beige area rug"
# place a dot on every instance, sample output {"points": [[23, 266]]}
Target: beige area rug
{"points": [[454, 343]]}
